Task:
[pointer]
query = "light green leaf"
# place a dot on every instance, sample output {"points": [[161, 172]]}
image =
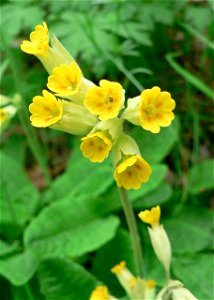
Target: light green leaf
{"points": [[112, 199], [201, 176], [62, 279], [199, 17], [18, 196], [106, 258], [18, 269], [186, 237], [157, 176], [158, 196], [155, 147], [196, 272], [68, 228], [6, 249], [82, 177]]}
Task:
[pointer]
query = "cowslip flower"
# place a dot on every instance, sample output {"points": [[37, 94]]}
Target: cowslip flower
{"points": [[175, 290], [151, 110], [101, 293], [65, 80], [39, 41], [158, 236], [38, 45], [132, 172], [96, 146], [106, 100], [48, 111], [136, 287]]}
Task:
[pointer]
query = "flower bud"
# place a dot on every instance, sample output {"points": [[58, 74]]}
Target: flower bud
{"points": [[158, 236]]}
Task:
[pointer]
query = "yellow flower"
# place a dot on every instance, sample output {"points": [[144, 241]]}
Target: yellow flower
{"points": [[132, 172], [105, 101], [158, 236], [3, 115], [8, 108], [50, 56], [65, 80], [46, 110], [152, 216], [155, 109], [39, 41], [96, 146], [119, 267], [100, 293]]}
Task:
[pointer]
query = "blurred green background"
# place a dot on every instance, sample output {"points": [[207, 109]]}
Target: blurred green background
{"points": [[62, 225]]}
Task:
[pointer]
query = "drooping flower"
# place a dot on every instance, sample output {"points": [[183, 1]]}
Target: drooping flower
{"points": [[101, 293], [96, 146], [158, 236], [46, 110], [39, 41], [65, 80], [151, 110], [132, 172], [106, 100]]}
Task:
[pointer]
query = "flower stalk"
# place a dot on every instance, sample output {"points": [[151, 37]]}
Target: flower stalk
{"points": [[133, 230]]}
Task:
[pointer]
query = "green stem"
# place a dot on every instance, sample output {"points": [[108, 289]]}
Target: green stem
{"points": [[28, 292], [133, 230], [23, 116]]}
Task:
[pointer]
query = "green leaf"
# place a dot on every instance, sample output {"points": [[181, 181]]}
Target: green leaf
{"points": [[106, 258], [201, 176], [82, 177], [199, 17], [19, 198], [111, 197], [157, 176], [158, 196], [15, 148], [6, 249], [62, 279], [186, 237], [196, 272], [155, 147], [18, 269], [195, 81], [68, 228], [15, 16]]}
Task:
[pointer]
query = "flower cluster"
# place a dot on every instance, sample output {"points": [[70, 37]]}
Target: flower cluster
{"points": [[145, 289], [76, 105]]}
